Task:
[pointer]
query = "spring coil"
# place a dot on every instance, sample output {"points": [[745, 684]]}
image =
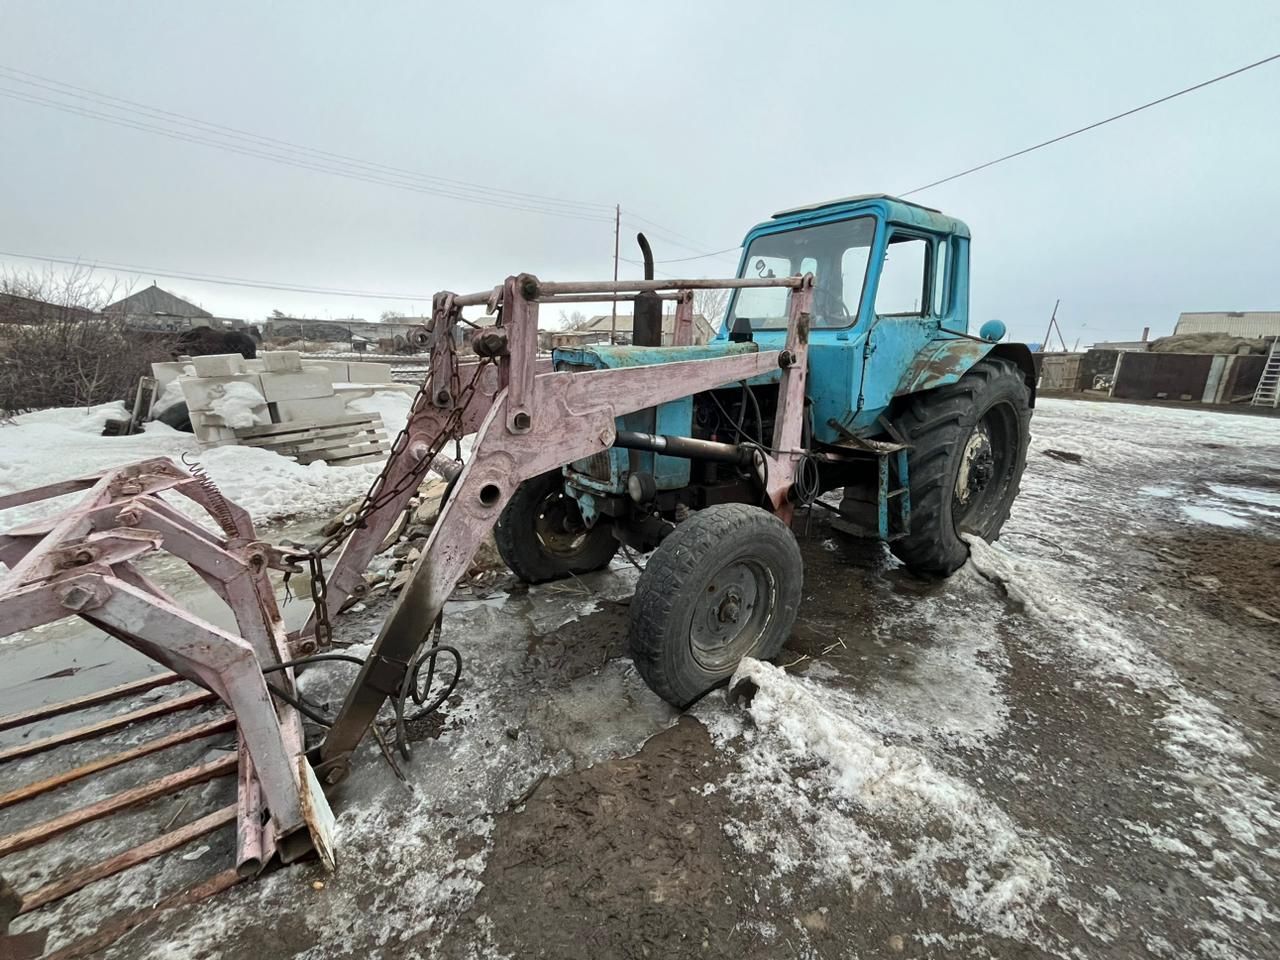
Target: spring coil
{"points": [[218, 507]]}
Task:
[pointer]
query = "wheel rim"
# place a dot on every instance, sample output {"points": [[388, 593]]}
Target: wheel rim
{"points": [[558, 525], [732, 614], [985, 469]]}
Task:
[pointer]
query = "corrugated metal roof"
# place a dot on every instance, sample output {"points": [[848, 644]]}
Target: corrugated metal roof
{"points": [[1237, 323]]}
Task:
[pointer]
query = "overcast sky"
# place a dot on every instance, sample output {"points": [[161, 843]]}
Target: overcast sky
{"points": [[701, 117]]}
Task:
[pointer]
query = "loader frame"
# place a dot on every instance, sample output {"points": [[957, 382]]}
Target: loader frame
{"points": [[83, 561], [527, 418]]}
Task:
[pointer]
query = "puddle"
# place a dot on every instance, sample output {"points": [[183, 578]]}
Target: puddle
{"points": [[1157, 491]]}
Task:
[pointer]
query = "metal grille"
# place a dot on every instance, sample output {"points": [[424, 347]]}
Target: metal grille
{"points": [[597, 466]]}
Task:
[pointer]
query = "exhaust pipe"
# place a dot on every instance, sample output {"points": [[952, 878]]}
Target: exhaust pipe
{"points": [[646, 319]]}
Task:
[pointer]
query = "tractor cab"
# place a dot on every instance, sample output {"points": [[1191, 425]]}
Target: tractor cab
{"points": [[890, 305]]}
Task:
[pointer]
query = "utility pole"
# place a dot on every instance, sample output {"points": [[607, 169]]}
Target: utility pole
{"points": [[1053, 322], [617, 229]]}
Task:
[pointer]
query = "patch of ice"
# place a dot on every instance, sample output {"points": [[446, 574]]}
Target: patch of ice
{"points": [[1263, 498], [1214, 516], [950, 693], [1158, 491]]}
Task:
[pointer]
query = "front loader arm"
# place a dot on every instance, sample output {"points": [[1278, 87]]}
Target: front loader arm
{"points": [[571, 416]]}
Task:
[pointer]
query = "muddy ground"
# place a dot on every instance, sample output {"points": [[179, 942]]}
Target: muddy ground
{"points": [[1067, 750]]}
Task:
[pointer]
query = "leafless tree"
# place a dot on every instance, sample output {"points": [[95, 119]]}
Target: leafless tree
{"points": [[711, 304], [573, 321], [57, 349]]}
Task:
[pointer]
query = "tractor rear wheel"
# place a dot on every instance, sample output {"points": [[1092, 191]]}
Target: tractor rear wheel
{"points": [[968, 449], [541, 534], [725, 584]]}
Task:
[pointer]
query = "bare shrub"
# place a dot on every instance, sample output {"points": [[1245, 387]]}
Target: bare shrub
{"points": [[57, 350]]}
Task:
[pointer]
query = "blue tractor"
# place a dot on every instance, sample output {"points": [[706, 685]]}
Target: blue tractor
{"points": [[921, 426]]}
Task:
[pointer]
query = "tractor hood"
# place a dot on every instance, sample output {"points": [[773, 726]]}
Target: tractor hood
{"points": [[603, 356]]}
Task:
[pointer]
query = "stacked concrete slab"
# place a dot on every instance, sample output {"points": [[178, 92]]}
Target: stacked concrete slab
{"points": [[291, 390]]}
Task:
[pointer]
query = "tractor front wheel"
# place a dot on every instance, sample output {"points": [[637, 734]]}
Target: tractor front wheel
{"points": [[541, 534], [725, 584], [968, 448]]}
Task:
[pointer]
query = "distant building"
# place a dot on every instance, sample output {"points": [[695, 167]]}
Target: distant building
{"points": [[158, 309], [1251, 324], [598, 329], [1122, 345], [25, 310], [345, 330]]}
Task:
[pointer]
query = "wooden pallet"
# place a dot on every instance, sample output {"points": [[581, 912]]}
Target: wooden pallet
{"points": [[341, 441]]}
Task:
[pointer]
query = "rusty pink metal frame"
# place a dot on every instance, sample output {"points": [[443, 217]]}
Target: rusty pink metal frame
{"points": [[532, 420], [81, 562]]}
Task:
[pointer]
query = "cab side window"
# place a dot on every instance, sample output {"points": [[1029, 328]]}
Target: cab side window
{"points": [[941, 268], [903, 288]]}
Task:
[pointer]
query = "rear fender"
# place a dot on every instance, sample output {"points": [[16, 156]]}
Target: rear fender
{"points": [[945, 361]]}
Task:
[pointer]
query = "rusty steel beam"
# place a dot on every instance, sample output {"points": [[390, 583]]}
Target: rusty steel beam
{"points": [[544, 289], [78, 879], [40, 832], [551, 288], [88, 700], [95, 943], [172, 705], [197, 732]]}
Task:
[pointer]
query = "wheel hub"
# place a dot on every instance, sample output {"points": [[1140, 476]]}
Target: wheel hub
{"points": [[734, 611], [559, 525], [977, 466], [729, 607]]}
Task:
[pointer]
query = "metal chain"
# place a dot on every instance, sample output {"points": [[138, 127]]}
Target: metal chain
{"points": [[378, 497]]}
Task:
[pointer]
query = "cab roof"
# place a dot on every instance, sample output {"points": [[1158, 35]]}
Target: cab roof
{"points": [[894, 209]]}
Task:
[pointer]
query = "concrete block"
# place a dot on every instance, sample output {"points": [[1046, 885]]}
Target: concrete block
{"points": [[200, 392], [363, 372], [334, 369], [166, 373], [296, 386], [210, 431], [313, 408], [281, 361], [254, 366], [218, 365]]}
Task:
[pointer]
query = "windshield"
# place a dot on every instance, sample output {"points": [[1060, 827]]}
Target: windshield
{"points": [[835, 253]]}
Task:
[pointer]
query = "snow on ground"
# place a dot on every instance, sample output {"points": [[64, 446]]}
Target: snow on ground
{"points": [[391, 405], [49, 446], [869, 785], [868, 810], [853, 784]]}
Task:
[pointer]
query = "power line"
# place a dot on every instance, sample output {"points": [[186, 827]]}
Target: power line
{"points": [[318, 166], [132, 114], [675, 233], [181, 120], [703, 256], [1094, 126], [218, 279]]}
